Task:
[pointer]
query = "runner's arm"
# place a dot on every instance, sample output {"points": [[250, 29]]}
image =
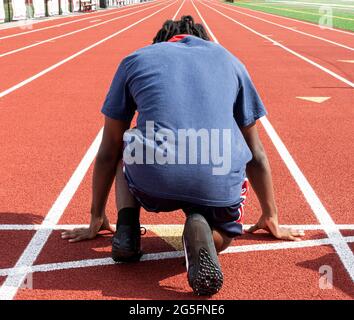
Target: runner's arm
{"points": [[108, 156], [259, 172], [109, 153], [260, 176]]}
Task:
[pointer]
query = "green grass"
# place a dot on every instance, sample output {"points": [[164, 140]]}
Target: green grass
{"points": [[342, 17]]}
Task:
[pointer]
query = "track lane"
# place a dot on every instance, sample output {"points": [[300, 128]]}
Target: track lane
{"points": [[339, 244], [324, 53], [175, 281], [45, 143], [284, 186], [12, 245], [15, 44], [345, 37], [19, 67], [318, 134], [80, 204], [291, 203], [18, 31], [290, 275], [315, 34], [267, 38], [72, 144]]}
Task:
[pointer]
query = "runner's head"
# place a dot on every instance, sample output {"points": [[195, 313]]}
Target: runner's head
{"points": [[184, 26]]}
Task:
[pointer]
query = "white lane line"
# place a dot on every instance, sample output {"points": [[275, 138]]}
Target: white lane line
{"points": [[283, 245], [37, 43], [285, 27], [30, 254], [337, 240], [51, 68], [294, 20], [314, 99], [33, 227], [72, 21], [18, 271], [11, 285], [346, 61], [179, 9], [341, 247], [277, 43]]}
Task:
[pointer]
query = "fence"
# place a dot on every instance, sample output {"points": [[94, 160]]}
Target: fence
{"points": [[13, 10]]}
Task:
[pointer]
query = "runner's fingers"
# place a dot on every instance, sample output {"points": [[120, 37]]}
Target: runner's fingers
{"points": [[71, 233], [291, 238], [297, 233], [67, 234], [292, 232], [77, 239], [295, 238]]}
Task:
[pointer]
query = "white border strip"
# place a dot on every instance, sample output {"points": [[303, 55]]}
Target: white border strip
{"points": [[18, 271], [337, 240]]}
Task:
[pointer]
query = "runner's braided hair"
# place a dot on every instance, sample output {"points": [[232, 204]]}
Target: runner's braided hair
{"points": [[184, 26]]}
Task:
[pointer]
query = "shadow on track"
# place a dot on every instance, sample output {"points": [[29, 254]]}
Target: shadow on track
{"points": [[20, 218], [341, 279], [161, 279]]}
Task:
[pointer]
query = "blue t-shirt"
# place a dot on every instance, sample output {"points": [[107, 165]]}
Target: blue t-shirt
{"points": [[192, 97]]}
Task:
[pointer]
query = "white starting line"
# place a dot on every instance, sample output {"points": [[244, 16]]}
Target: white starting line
{"points": [[58, 266], [25, 264], [85, 263]]}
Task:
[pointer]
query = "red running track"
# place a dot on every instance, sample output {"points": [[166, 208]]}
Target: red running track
{"points": [[308, 130], [45, 134], [46, 54], [319, 47], [55, 22]]}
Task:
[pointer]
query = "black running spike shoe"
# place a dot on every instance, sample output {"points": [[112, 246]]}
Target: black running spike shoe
{"points": [[203, 268], [126, 243]]}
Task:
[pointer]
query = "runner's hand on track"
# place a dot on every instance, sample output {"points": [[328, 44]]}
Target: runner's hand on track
{"points": [[270, 224], [97, 224]]}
